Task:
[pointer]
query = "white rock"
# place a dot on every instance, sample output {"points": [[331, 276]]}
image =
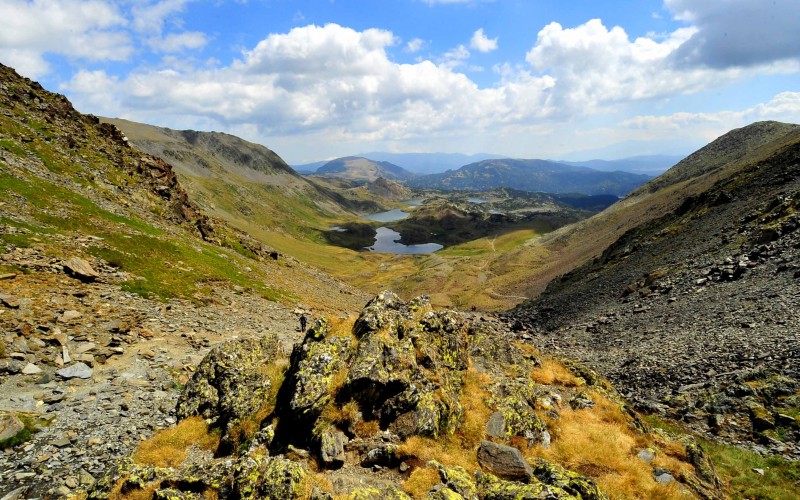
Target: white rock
{"points": [[31, 369]]}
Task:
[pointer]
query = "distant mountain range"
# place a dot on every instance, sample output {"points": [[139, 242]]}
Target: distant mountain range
{"points": [[532, 175], [363, 169], [650, 165], [434, 163]]}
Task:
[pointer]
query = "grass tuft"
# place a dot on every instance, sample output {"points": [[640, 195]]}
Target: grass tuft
{"points": [[168, 448]]}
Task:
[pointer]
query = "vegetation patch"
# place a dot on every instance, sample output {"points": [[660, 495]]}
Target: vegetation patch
{"points": [[169, 447]]}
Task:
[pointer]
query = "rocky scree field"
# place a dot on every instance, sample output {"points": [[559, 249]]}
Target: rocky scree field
{"points": [[694, 315]]}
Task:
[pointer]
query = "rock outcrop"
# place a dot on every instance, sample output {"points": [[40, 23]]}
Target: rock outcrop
{"points": [[366, 403]]}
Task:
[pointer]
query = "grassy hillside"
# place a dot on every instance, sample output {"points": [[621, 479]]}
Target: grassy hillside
{"points": [[72, 187]]}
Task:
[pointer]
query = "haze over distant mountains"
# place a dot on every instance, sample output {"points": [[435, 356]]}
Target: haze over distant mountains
{"points": [[435, 163]]}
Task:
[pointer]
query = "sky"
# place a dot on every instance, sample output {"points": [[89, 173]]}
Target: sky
{"points": [[319, 79]]}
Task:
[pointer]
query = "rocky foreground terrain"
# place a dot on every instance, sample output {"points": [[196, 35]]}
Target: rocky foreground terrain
{"points": [[695, 314]]}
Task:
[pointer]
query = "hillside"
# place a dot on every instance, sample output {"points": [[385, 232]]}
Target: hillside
{"points": [[362, 169], [237, 180], [532, 175], [113, 285], [692, 312]]}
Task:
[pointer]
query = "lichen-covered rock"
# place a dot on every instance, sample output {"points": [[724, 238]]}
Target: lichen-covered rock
{"points": [[407, 372], [313, 364], [705, 482], [490, 487], [172, 494], [457, 480], [382, 312], [230, 383], [331, 448], [571, 482], [274, 478], [373, 493]]}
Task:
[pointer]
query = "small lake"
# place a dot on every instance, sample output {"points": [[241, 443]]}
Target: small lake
{"points": [[390, 216], [386, 241], [477, 200], [416, 202]]}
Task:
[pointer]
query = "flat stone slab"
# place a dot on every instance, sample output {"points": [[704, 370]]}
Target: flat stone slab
{"points": [[78, 370]]}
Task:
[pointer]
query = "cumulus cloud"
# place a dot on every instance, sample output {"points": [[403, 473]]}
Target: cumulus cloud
{"points": [[87, 29], [415, 45], [481, 42], [335, 85], [317, 78], [595, 66], [783, 107], [738, 32]]}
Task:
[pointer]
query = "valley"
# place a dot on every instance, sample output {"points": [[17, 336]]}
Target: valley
{"points": [[605, 335]]}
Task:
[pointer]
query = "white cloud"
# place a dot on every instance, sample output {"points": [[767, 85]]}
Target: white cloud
{"points": [[149, 17], [86, 29], [335, 87], [415, 45], [783, 107], [481, 42], [455, 57], [177, 42]]}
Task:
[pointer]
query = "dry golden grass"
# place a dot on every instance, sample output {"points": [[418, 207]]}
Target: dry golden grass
{"points": [[341, 327], [458, 448], [599, 443], [167, 448], [421, 481], [552, 372]]}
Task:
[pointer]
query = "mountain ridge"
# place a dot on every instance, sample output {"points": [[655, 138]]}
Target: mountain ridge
{"points": [[532, 175]]}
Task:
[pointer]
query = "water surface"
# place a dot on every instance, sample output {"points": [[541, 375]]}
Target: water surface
{"points": [[390, 216], [386, 241]]}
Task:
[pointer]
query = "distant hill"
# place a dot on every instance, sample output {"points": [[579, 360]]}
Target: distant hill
{"points": [[650, 165], [363, 169], [235, 179], [532, 175], [430, 163]]}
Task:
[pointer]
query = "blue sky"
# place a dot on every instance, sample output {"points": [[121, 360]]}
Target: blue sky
{"points": [[317, 79]]}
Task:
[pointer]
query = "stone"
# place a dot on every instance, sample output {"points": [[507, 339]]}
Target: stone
{"points": [[69, 315], [80, 269], [31, 369], [78, 370], [65, 357], [331, 448], [9, 301], [646, 455], [504, 461], [10, 426], [496, 425], [760, 472], [256, 476], [17, 494], [663, 477]]}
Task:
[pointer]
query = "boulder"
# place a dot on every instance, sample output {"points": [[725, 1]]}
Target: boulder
{"points": [[504, 461], [10, 426], [230, 383], [275, 478], [80, 269]]}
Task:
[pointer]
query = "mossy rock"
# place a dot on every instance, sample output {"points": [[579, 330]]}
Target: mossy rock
{"points": [[457, 480], [571, 482], [490, 487], [273, 478], [372, 493], [230, 384]]}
